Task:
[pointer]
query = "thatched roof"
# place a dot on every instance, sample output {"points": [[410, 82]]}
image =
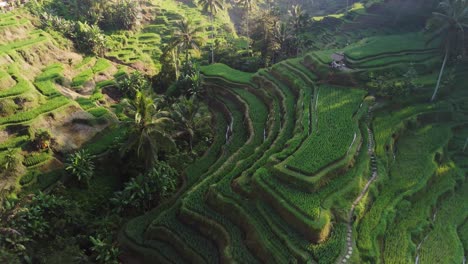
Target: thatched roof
{"points": [[338, 56]]}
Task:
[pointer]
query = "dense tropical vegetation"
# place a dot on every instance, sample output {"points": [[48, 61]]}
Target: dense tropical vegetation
{"points": [[222, 131]]}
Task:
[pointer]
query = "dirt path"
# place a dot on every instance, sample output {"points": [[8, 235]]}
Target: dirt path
{"points": [[348, 252]]}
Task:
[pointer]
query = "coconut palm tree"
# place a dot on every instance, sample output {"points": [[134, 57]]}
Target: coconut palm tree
{"points": [[247, 5], [449, 24], [188, 119], [297, 18], [186, 36], [212, 7], [150, 129]]}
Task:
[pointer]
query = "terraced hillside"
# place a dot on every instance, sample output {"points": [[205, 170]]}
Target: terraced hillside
{"points": [[44, 87], [143, 49], [307, 167]]}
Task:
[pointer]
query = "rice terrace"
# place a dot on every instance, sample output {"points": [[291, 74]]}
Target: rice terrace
{"points": [[234, 131]]}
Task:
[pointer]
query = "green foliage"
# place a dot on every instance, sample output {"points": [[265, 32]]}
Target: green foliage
{"points": [[80, 165], [129, 85], [147, 190], [41, 216], [10, 161], [104, 250]]}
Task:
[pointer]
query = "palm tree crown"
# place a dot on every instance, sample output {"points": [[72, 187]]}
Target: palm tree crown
{"points": [[150, 132], [211, 6], [187, 36], [450, 24]]}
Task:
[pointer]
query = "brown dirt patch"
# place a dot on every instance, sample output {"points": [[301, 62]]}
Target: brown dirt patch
{"points": [[70, 128]]}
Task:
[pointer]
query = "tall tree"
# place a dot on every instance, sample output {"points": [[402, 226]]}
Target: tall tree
{"points": [[186, 36], [150, 130], [212, 7], [247, 5], [188, 119], [449, 24]]}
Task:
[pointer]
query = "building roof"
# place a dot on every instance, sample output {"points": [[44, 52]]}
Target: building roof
{"points": [[338, 56]]}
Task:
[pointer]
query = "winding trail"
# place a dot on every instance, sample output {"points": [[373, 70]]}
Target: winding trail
{"points": [[346, 256]]}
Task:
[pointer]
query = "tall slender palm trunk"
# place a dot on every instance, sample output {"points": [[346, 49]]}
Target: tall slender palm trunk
{"points": [[212, 37], [176, 63], [441, 73]]}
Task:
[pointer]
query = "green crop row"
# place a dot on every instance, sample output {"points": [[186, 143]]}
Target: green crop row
{"points": [[36, 158], [22, 43], [192, 203], [415, 157], [105, 140], [51, 104], [394, 59], [373, 46], [45, 82], [226, 72], [413, 214], [335, 131], [389, 123], [85, 103], [302, 111], [224, 198], [443, 244], [21, 86], [98, 111], [82, 78], [86, 75], [14, 142]]}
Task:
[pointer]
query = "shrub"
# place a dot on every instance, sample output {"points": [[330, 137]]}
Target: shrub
{"points": [[145, 191], [80, 165]]}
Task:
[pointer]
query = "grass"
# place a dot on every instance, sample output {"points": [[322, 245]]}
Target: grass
{"points": [[51, 104], [45, 82], [335, 132], [373, 46], [413, 215], [21, 87], [105, 140], [357, 7], [226, 72], [412, 168], [443, 243], [100, 66], [36, 158]]}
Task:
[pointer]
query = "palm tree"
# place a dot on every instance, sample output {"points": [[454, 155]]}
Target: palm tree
{"points": [[150, 131], [283, 37], [297, 17], [186, 36], [212, 7], [188, 118], [450, 24], [247, 5]]}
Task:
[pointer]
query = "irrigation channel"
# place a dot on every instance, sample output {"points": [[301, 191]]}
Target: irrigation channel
{"points": [[348, 252]]}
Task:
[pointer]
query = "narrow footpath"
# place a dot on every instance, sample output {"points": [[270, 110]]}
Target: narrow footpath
{"points": [[348, 252]]}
